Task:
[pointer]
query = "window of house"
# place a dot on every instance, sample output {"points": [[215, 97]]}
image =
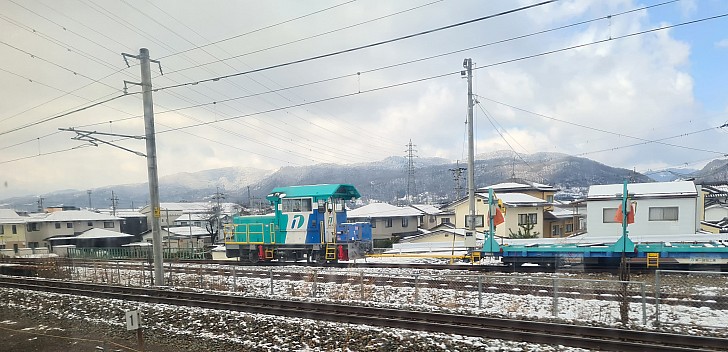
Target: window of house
{"points": [[69, 225], [663, 214], [555, 230], [445, 220], [608, 215], [374, 223], [108, 224], [2, 229], [2, 246], [197, 223], [183, 223], [432, 219], [569, 228], [405, 222], [33, 244], [15, 229], [58, 225], [388, 222], [550, 199], [297, 205], [90, 223], [530, 218], [30, 227]]}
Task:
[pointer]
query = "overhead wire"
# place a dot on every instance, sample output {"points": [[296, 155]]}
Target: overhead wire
{"points": [[502, 62], [503, 137]]}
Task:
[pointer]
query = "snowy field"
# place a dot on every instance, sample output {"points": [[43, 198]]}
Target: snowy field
{"points": [[389, 288]]}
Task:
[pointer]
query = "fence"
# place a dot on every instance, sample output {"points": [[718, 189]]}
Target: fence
{"points": [[694, 298], [135, 253], [511, 296]]}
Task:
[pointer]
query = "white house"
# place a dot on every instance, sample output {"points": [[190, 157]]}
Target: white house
{"points": [[662, 208], [388, 221]]}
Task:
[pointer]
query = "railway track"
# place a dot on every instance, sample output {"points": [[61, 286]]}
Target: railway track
{"points": [[518, 330], [397, 281]]}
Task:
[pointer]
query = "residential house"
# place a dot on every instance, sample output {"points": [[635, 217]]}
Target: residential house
{"points": [[169, 212], [444, 238], [433, 216], [182, 237], [565, 219], [133, 222], [389, 222], [524, 203], [661, 208], [42, 226], [12, 230]]}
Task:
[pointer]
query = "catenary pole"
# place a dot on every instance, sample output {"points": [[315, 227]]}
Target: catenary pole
{"points": [[152, 165], [468, 65]]}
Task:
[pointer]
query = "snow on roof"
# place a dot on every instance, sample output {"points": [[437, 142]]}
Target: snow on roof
{"points": [[137, 244], [519, 199], [560, 213], [192, 217], [654, 189], [195, 207], [10, 216], [75, 215], [93, 234], [122, 213], [518, 186], [382, 210], [426, 208], [187, 231]]}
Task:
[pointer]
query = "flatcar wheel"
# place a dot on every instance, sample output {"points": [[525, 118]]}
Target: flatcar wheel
{"points": [[253, 257]]}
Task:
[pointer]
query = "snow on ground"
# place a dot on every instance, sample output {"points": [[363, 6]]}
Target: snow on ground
{"points": [[457, 294]]}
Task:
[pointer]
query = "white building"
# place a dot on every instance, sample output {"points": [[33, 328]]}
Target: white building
{"points": [[662, 208]]}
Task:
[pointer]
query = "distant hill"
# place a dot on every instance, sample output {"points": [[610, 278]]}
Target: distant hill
{"points": [[671, 174], [384, 180], [714, 171]]}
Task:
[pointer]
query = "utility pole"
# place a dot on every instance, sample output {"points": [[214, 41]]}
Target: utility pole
{"points": [[89, 199], [249, 203], [410, 171], [40, 204], [151, 155], [114, 202], [457, 173], [470, 225]]}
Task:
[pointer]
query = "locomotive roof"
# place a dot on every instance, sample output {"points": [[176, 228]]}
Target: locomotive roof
{"points": [[343, 191]]}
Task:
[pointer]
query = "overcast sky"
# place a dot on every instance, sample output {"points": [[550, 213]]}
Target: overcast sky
{"points": [[609, 101]]}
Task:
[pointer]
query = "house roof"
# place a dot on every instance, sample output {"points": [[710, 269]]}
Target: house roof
{"points": [[74, 215], [454, 232], [192, 217], [187, 231], [520, 199], [93, 234], [675, 189], [559, 213], [519, 186], [426, 208], [382, 210], [10, 216], [194, 207]]}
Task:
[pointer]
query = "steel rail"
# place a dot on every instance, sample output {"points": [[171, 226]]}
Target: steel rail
{"points": [[509, 329]]}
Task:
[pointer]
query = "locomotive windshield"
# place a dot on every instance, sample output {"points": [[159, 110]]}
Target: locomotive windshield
{"points": [[296, 205]]}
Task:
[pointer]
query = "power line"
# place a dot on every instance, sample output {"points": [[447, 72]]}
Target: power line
{"points": [[503, 137], [309, 37], [371, 45], [256, 30], [645, 141]]}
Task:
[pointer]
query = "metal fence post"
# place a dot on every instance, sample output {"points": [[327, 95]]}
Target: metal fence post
{"points": [[235, 279], [555, 307], [270, 271], [313, 286], [480, 291], [644, 304], [657, 297], [417, 298], [361, 284]]}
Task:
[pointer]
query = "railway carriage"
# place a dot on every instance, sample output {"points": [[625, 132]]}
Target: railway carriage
{"points": [[308, 222]]}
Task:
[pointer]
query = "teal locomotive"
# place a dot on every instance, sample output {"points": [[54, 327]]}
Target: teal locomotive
{"points": [[308, 222]]}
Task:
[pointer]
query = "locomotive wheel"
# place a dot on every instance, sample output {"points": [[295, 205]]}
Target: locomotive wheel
{"points": [[253, 257], [320, 258]]}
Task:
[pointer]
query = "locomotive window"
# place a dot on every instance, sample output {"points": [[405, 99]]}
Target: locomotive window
{"points": [[297, 205]]}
